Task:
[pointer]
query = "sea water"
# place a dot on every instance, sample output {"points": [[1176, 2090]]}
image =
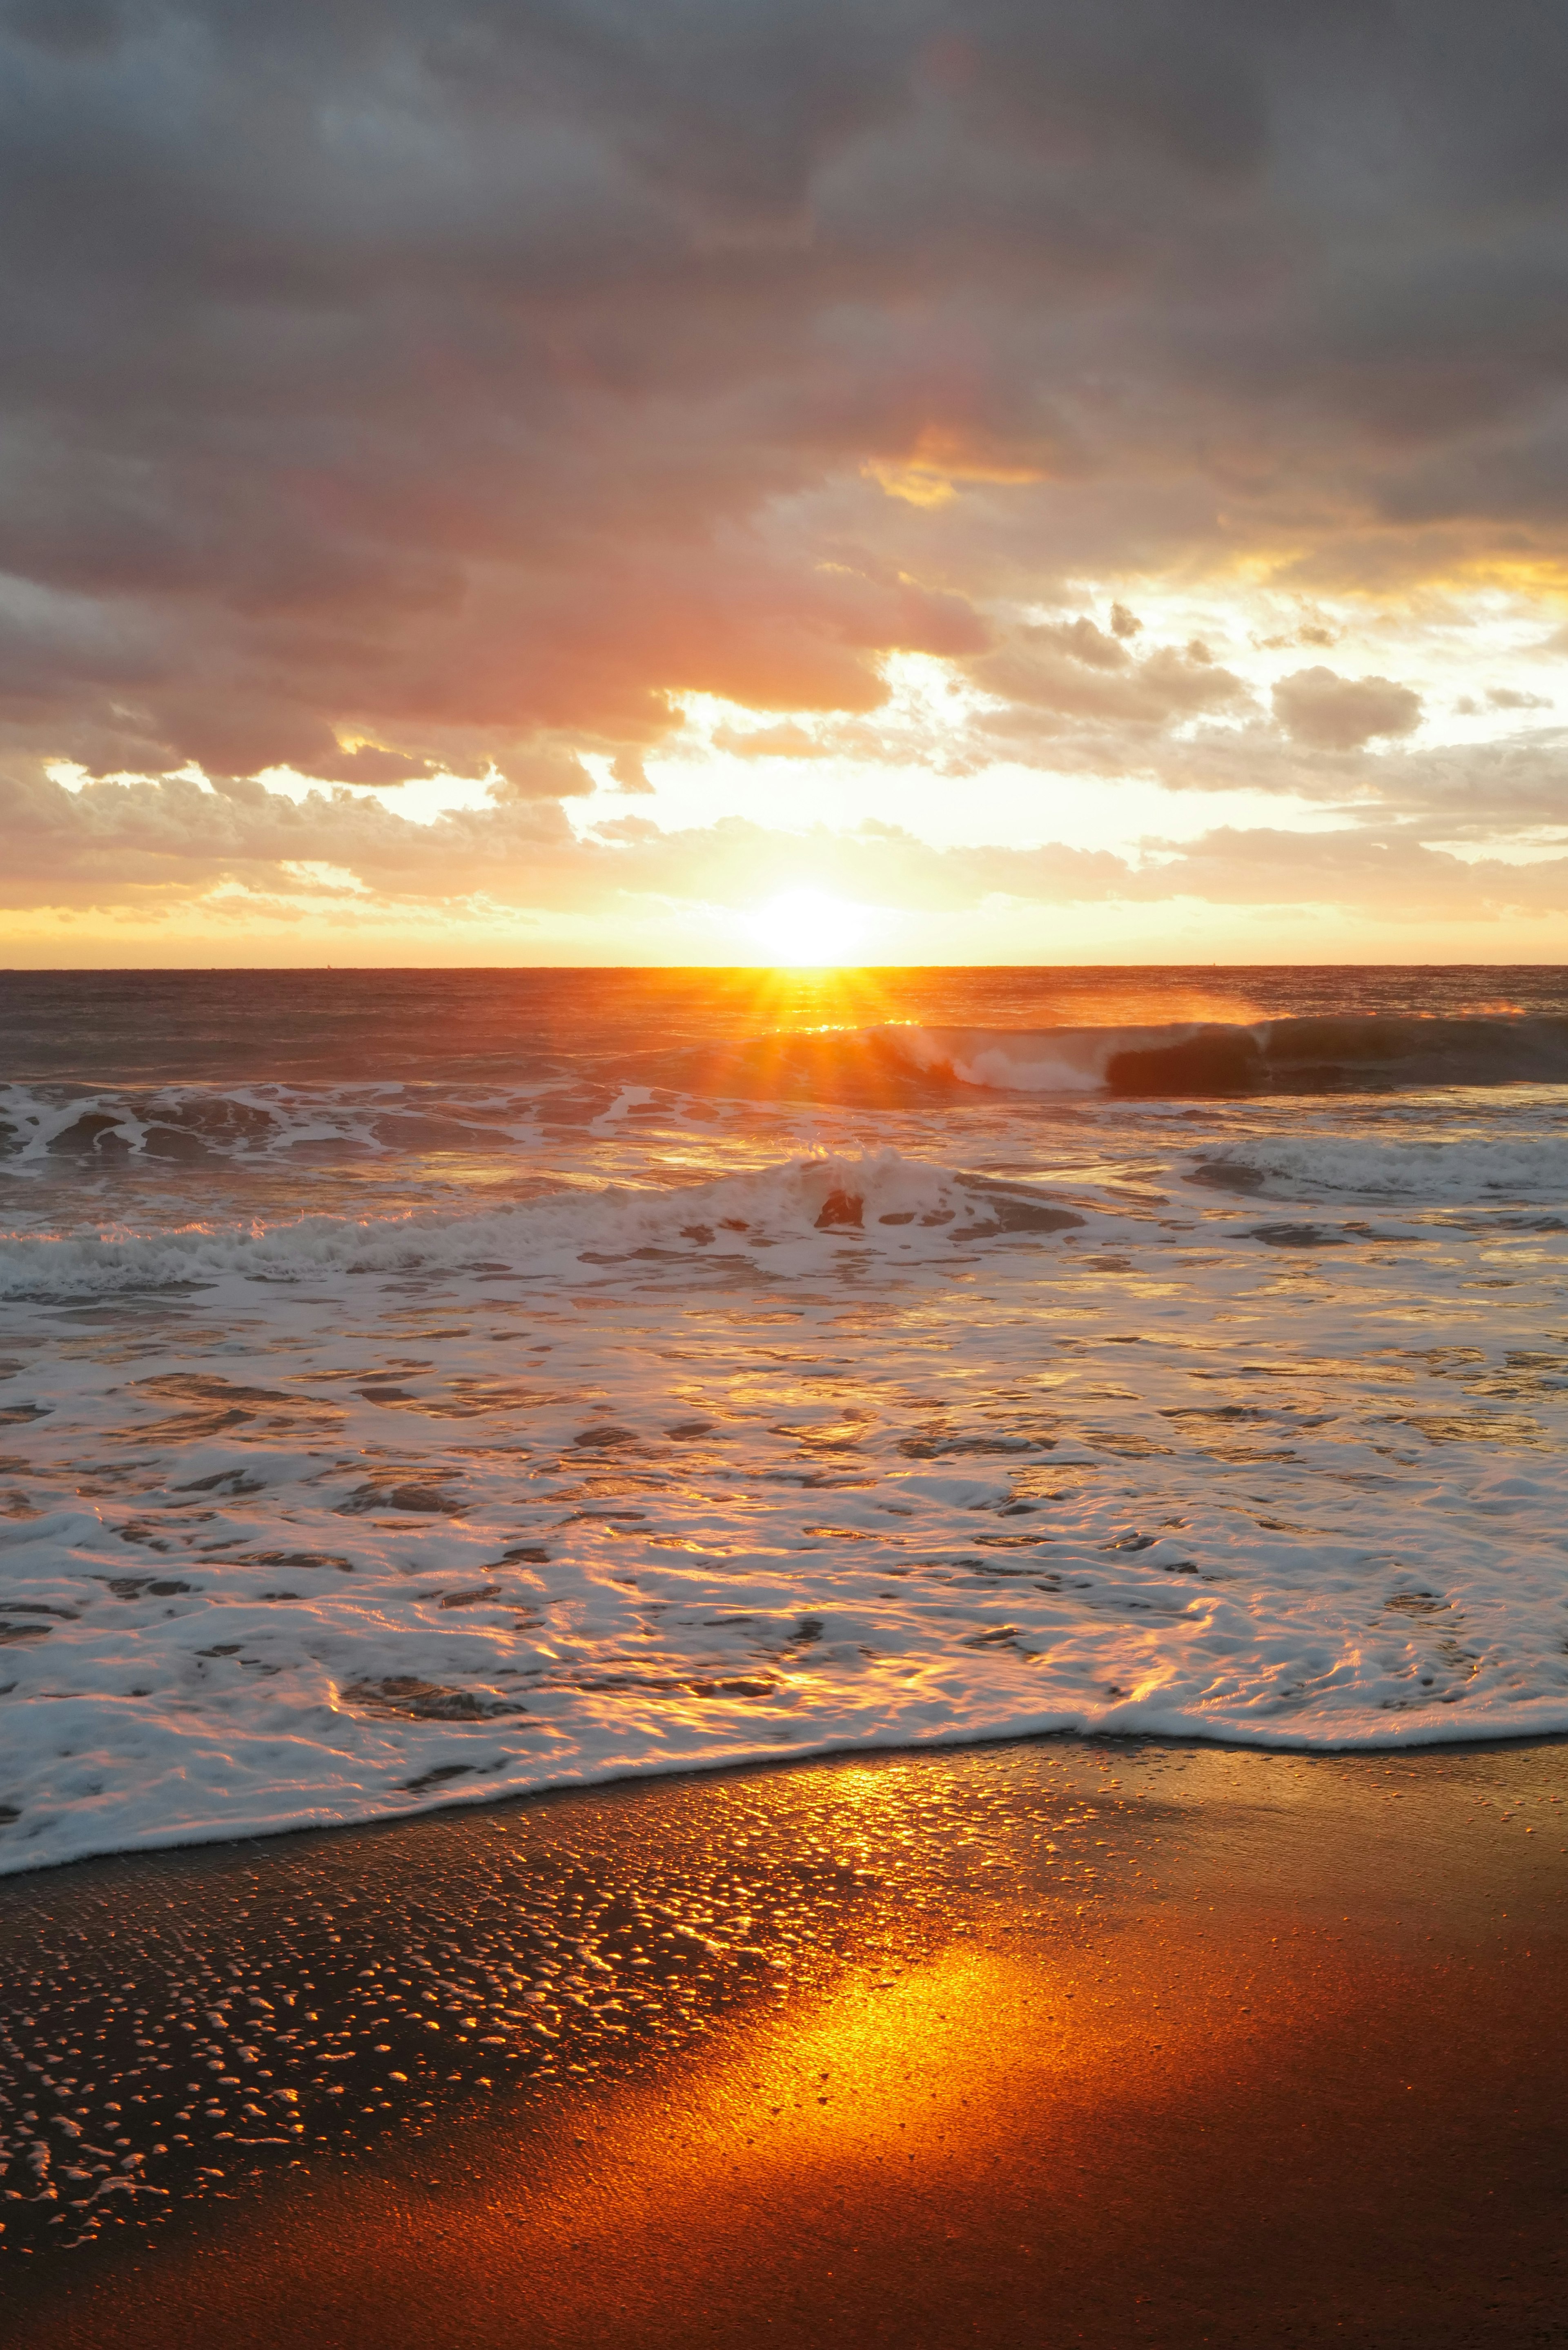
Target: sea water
{"points": [[425, 1386]]}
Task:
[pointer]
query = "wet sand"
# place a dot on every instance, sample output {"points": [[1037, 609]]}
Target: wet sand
{"points": [[1060, 2042]]}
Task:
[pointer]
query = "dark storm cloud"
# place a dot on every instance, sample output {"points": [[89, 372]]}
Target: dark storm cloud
{"points": [[435, 383]]}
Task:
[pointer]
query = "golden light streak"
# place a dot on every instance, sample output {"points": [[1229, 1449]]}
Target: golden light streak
{"points": [[939, 461]]}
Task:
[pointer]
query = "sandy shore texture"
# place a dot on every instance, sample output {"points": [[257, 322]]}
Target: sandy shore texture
{"points": [[1048, 2043]]}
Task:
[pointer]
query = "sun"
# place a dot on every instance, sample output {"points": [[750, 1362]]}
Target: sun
{"points": [[803, 929]]}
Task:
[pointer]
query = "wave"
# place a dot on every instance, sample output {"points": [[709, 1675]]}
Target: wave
{"points": [[880, 1201], [1347, 1053], [1501, 1170], [913, 1067], [45, 1128]]}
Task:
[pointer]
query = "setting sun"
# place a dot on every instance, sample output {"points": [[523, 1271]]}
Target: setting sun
{"points": [[784, 1052], [806, 927]]}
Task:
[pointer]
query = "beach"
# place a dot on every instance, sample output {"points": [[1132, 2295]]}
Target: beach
{"points": [[1059, 2040], [784, 1176], [692, 1659]]}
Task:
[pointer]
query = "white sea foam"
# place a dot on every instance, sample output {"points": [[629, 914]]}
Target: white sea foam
{"points": [[1429, 1172], [42, 1125], [895, 1208], [335, 1517]]}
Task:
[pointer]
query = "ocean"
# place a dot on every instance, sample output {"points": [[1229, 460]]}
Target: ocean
{"points": [[417, 1387]]}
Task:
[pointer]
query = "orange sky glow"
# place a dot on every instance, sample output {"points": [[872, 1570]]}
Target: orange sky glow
{"points": [[770, 485]]}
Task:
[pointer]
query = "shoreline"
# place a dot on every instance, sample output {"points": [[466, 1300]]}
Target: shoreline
{"points": [[1004, 1971], [943, 1745]]}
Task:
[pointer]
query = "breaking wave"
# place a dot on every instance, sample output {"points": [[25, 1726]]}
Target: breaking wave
{"points": [[880, 1200], [47, 1130], [1302, 1055]]}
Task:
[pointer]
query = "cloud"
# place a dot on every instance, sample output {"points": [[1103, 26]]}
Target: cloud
{"points": [[785, 740], [156, 851], [629, 773], [1501, 697], [455, 385], [1388, 875], [1073, 670], [1329, 713], [547, 773]]}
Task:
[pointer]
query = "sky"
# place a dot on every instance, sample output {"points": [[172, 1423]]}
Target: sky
{"points": [[722, 481]]}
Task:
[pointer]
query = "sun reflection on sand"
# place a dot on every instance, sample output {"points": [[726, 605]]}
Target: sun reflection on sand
{"points": [[1083, 2041], [963, 2118]]}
